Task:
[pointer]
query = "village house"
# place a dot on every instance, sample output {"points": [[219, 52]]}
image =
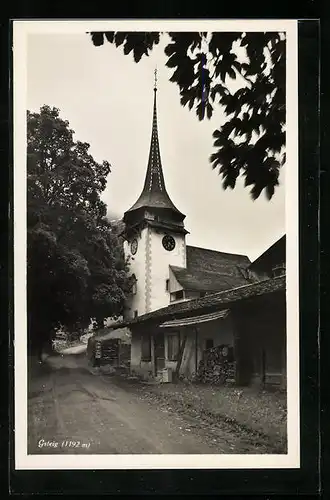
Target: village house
{"points": [[249, 320], [187, 301], [272, 262]]}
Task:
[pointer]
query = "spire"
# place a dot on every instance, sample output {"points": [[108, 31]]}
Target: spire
{"points": [[154, 181], [155, 73], [154, 192]]}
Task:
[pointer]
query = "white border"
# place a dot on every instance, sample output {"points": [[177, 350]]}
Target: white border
{"points": [[21, 29]]}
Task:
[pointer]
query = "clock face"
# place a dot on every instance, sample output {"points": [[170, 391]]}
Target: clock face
{"points": [[134, 247], [168, 242]]}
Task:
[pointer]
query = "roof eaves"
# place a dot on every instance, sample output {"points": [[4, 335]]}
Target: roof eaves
{"points": [[214, 300]]}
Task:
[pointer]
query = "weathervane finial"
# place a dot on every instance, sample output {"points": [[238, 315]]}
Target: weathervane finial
{"points": [[155, 73]]}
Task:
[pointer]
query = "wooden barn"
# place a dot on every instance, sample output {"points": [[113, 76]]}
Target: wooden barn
{"points": [[248, 323], [109, 346]]}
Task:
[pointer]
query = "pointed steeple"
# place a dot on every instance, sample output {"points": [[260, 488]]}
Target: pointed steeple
{"points": [[154, 194], [154, 180]]}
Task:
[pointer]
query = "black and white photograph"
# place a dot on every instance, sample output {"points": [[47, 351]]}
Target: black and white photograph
{"points": [[156, 244]]}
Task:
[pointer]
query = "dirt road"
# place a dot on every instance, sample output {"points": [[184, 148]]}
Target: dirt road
{"points": [[71, 410]]}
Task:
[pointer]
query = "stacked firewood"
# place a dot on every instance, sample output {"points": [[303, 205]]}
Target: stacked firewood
{"points": [[110, 351], [217, 366]]}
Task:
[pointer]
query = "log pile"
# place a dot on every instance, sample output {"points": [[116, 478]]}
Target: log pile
{"points": [[110, 351], [217, 366]]}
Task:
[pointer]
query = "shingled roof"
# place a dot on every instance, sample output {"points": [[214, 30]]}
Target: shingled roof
{"points": [[107, 333], [212, 260], [213, 301], [209, 270]]}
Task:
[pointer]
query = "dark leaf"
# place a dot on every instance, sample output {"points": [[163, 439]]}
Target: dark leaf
{"points": [[97, 38], [209, 110], [110, 36], [200, 110], [119, 38]]}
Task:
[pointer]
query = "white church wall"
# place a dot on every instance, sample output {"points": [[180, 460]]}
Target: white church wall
{"points": [[158, 268], [137, 302]]}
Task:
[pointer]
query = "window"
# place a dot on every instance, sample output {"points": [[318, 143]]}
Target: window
{"points": [[146, 347], [278, 270], [173, 346], [167, 285], [177, 295], [134, 285], [209, 343], [136, 313]]}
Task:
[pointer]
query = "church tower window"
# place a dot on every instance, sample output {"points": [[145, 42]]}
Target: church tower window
{"points": [[179, 295], [278, 270], [134, 246], [134, 285]]}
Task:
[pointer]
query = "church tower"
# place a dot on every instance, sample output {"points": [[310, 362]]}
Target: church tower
{"points": [[154, 235]]}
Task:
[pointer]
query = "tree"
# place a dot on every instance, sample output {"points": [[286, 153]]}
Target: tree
{"points": [[76, 267], [251, 142]]}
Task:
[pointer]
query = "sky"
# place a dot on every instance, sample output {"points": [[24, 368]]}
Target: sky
{"points": [[107, 99]]}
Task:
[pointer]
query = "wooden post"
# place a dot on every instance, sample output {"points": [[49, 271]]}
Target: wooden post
{"points": [[180, 356], [236, 331], [153, 355], [196, 349]]}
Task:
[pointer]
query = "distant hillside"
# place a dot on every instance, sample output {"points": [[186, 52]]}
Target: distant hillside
{"points": [[117, 225]]}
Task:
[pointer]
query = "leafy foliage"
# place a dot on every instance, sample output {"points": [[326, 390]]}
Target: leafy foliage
{"points": [[76, 268], [140, 43], [251, 141]]}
